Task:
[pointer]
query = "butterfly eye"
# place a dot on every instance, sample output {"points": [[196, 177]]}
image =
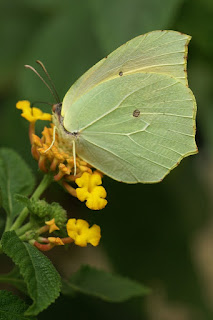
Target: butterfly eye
{"points": [[56, 107]]}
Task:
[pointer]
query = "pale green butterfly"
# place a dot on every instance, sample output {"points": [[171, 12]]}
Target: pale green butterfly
{"points": [[132, 115]]}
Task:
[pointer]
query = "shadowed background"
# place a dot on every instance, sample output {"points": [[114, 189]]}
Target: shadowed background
{"points": [[161, 234]]}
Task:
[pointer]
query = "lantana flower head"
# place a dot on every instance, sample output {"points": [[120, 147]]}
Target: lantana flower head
{"points": [[82, 234], [58, 159], [91, 191]]}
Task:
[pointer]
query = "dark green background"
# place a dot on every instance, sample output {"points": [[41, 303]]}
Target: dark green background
{"points": [[157, 234]]}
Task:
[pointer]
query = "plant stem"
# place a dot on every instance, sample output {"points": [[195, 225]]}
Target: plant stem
{"points": [[44, 184], [24, 228], [8, 223]]}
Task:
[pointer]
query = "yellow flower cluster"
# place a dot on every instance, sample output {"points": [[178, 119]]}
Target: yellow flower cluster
{"points": [[59, 160], [32, 114], [56, 159], [78, 232], [82, 234]]}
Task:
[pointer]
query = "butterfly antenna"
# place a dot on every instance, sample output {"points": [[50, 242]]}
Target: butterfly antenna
{"points": [[44, 102], [36, 72], [50, 79]]}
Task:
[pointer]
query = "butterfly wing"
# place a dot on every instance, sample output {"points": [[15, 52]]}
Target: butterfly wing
{"points": [[145, 126], [135, 116], [158, 52]]}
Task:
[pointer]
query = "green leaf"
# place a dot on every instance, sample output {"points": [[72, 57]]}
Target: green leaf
{"points": [[15, 177], [24, 21], [42, 279], [12, 308], [77, 51], [22, 199], [104, 285], [15, 279], [0, 198], [67, 290]]}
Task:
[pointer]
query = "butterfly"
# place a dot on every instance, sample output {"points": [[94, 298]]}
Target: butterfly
{"points": [[132, 115]]}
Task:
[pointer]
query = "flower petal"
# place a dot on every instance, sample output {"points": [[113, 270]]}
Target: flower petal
{"points": [[32, 114], [80, 232]]}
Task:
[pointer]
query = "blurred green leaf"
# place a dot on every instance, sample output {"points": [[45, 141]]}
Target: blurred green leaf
{"points": [[67, 290], [12, 307], [201, 79], [17, 26], [65, 52], [104, 285], [15, 177], [42, 279], [46, 6], [1, 200], [196, 19], [15, 279], [115, 22]]}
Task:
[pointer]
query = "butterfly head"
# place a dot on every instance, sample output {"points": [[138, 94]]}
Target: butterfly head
{"points": [[57, 118], [65, 136], [56, 108]]}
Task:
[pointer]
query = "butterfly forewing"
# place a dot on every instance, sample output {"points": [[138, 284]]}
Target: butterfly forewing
{"points": [[158, 52]]}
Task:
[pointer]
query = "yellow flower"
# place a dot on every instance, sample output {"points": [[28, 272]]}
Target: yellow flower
{"points": [[80, 232], [91, 191], [52, 225], [32, 114]]}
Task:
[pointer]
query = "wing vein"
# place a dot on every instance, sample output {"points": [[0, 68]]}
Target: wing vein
{"points": [[121, 160], [149, 160], [149, 150]]}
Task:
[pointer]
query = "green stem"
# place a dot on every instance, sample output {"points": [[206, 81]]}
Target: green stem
{"points": [[24, 228], [44, 184], [20, 219], [27, 236], [13, 279], [8, 223], [4, 279], [46, 181]]}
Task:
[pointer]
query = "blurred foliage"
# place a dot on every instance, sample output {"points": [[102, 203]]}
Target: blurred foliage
{"points": [[147, 230]]}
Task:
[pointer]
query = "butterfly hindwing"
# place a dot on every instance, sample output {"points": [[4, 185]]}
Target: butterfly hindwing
{"points": [[147, 130]]}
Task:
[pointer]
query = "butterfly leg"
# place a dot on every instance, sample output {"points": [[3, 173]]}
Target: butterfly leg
{"points": [[74, 156]]}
